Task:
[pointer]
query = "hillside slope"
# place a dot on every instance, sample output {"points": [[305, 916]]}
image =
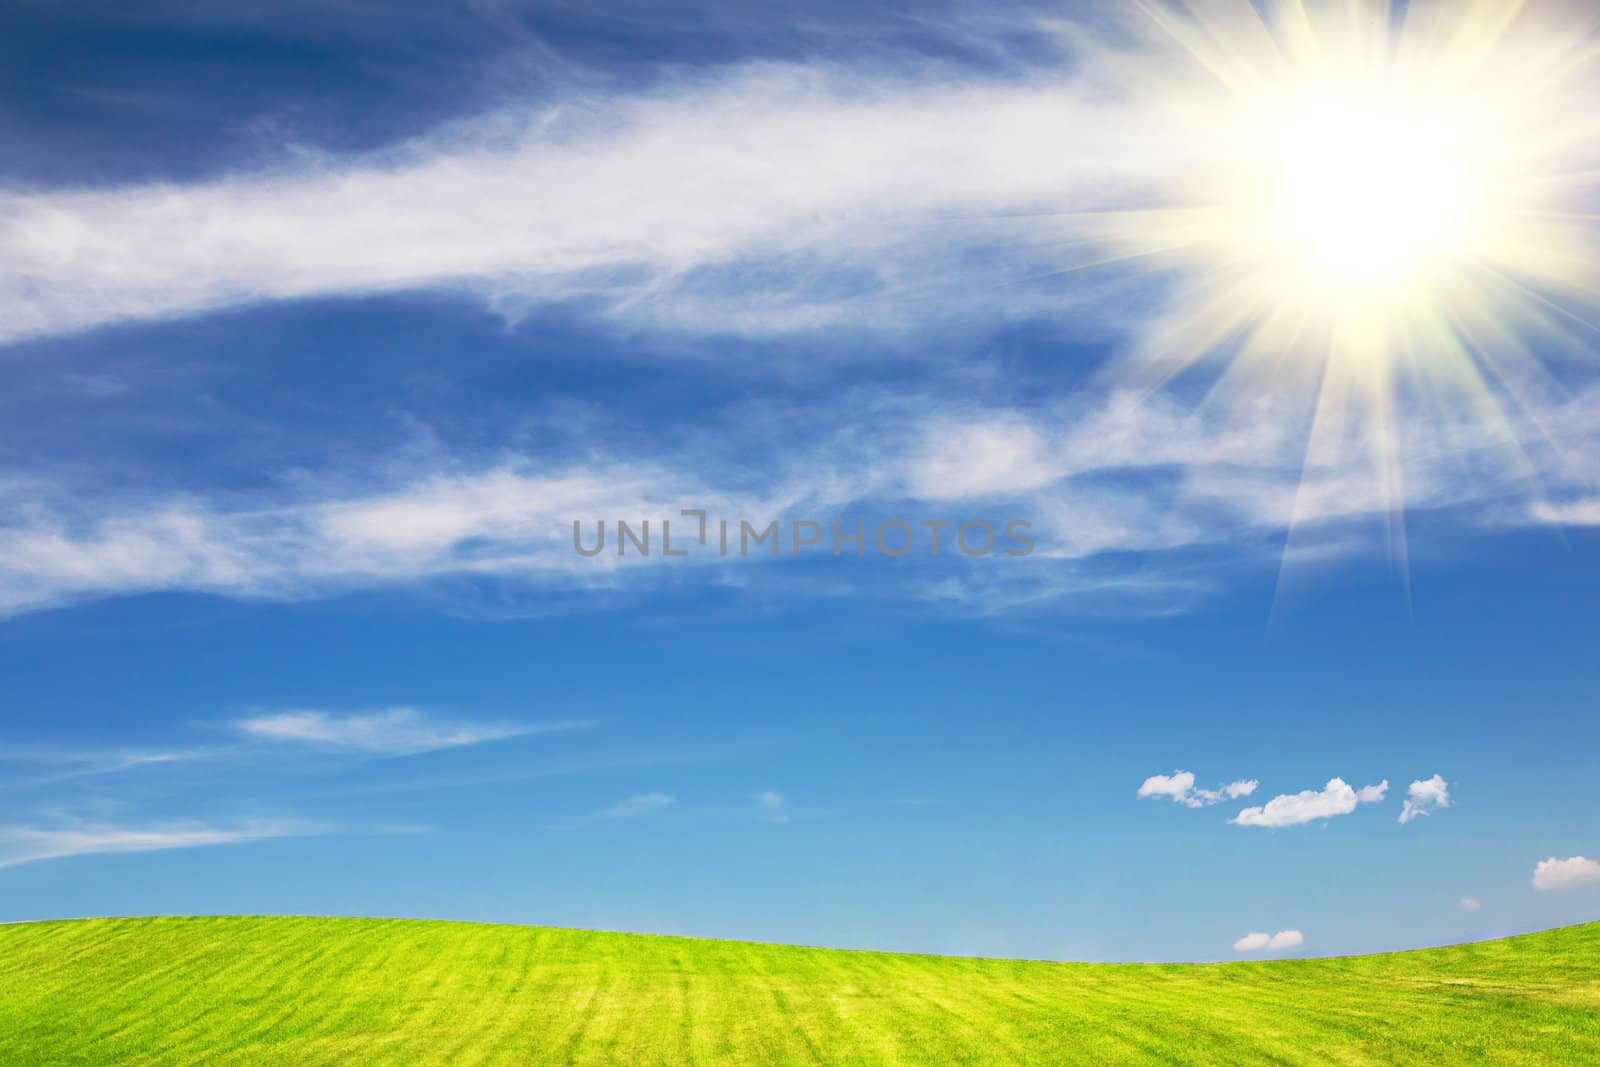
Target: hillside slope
{"points": [[310, 991]]}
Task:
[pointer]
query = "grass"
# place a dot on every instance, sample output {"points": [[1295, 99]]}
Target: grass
{"points": [[313, 991]]}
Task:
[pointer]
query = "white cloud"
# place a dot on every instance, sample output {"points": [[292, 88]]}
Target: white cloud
{"points": [[774, 806], [1256, 942], [1580, 512], [1176, 785], [1232, 791], [1136, 482], [391, 732], [999, 455], [808, 175], [641, 804], [1425, 796], [1179, 786], [1470, 903], [1292, 809], [67, 763], [494, 521], [1553, 875], [19, 845], [812, 172]]}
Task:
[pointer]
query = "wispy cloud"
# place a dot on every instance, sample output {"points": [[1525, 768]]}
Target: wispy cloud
{"points": [[391, 732], [1425, 796], [634, 806], [1583, 511], [818, 197], [859, 192], [592, 763], [1109, 480], [65, 763], [495, 521], [1310, 805], [803, 169], [774, 806], [1553, 875], [21, 844]]}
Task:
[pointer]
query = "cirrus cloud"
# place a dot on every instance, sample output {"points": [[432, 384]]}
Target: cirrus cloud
{"points": [[637, 805], [30, 844], [391, 732], [803, 169]]}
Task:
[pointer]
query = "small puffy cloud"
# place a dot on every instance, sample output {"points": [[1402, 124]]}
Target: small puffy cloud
{"points": [[1232, 791], [640, 804], [1470, 903], [1423, 797], [1179, 786], [774, 807], [391, 732], [1553, 875], [1292, 809], [1257, 942]]}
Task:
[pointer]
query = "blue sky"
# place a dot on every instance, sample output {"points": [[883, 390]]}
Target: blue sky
{"points": [[320, 329]]}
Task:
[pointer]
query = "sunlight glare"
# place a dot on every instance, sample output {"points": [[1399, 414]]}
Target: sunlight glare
{"points": [[1390, 212], [1357, 196]]}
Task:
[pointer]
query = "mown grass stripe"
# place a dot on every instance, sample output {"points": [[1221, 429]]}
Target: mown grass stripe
{"points": [[311, 991]]}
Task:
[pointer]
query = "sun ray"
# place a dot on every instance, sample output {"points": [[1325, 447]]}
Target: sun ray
{"points": [[1401, 200]]}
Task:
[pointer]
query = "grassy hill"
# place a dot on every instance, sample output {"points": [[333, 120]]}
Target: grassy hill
{"points": [[310, 991]]}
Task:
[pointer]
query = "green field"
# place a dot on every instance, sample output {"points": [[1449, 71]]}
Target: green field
{"points": [[363, 991]]}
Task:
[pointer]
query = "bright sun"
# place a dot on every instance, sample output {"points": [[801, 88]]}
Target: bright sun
{"points": [[1373, 203], [1359, 193]]}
